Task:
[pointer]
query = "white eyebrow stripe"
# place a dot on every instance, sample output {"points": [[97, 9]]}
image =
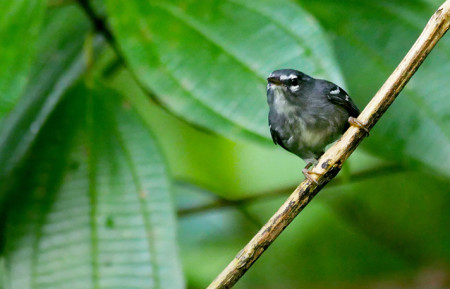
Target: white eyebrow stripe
{"points": [[290, 76], [337, 90], [346, 97]]}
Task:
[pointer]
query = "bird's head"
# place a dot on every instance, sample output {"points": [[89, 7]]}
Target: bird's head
{"points": [[290, 83]]}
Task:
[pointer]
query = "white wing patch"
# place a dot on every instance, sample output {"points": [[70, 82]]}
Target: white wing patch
{"points": [[337, 90]]}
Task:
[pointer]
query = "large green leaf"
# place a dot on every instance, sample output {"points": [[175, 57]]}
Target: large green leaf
{"points": [[95, 211], [20, 22], [59, 63], [207, 60], [371, 38]]}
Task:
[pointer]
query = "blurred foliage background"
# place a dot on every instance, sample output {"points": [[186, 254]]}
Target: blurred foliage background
{"points": [[135, 152]]}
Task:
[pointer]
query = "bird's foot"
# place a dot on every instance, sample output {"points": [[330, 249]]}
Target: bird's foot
{"points": [[355, 122], [308, 174]]}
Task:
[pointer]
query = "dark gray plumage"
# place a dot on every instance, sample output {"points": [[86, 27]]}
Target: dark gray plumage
{"points": [[306, 114]]}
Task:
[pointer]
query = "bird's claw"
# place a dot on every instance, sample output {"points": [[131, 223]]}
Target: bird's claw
{"points": [[307, 175], [355, 122]]}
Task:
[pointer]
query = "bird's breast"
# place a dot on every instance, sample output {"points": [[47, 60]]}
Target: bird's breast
{"points": [[303, 131], [279, 102]]}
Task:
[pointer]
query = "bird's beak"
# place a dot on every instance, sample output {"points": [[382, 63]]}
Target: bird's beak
{"points": [[274, 80]]}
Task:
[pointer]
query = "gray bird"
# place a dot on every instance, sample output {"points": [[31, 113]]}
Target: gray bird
{"points": [[306, 114]]}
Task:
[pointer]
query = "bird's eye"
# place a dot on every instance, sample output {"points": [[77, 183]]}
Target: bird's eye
{"points": [[293, 81]]}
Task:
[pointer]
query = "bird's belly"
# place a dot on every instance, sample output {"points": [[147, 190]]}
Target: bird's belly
{"points": [[314, 138], [304, 139]]}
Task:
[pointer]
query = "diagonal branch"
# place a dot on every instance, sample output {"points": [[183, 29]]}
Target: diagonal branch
{"points": [[331, 162]]}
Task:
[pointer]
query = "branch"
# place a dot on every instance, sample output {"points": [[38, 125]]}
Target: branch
{"points": [[225, 203], [331, 162], [99, 25]]}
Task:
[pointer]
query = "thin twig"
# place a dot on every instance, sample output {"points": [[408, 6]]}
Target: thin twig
{"points": [[99, 25], [218, 199], [224, 202], [331, 162]]}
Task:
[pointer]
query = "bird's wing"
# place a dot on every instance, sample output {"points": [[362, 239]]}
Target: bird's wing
{"points": [[340, 97], [276, 137]]}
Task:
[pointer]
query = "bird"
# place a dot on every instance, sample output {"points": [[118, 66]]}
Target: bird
{"points": [[307, 114]]}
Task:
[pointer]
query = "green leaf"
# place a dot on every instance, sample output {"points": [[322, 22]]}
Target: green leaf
{"points": [[207, 60], [371, 38], [20, 22], [59, 63], [95, 211]]}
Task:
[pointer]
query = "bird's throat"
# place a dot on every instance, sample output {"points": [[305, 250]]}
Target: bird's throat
{"points": [[280, 104]]}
